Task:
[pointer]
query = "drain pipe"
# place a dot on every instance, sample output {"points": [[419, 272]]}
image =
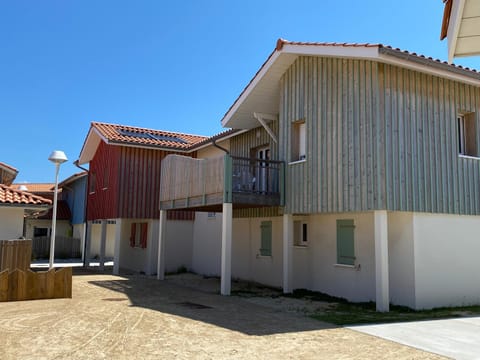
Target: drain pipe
{"points": [[219, 147], [84, 215]]}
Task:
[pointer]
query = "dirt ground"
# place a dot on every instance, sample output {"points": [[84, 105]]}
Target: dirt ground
{"points": [[138, 317]]}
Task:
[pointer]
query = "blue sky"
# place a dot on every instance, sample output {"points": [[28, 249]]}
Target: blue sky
{"points": [[172, 65]]}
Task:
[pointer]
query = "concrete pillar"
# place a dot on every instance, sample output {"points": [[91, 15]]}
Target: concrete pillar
{"points": [[161, 245], [83, 239], [116, 251], [226, 275], [287, 253], [381, 261], [88, 240], [103, 244]]}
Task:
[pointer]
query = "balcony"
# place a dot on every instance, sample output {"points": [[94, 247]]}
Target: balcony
{"points": [[204, 184]]}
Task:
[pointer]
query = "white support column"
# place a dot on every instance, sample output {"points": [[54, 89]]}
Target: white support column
{"points": [[161, 245], [88, 239], [116, 251], [103, 243], [226, 275], [381, 261], [287, 253], [83, 239]]}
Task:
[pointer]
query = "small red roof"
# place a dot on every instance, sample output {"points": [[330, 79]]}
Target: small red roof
{"points": [[9, 195], [129, 135], [8, 167]]}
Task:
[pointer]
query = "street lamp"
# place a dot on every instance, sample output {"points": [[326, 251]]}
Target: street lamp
{"points": [[58, 158]]}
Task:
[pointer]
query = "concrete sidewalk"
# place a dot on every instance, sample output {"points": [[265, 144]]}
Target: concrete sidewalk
{"points": [[457, 338]]}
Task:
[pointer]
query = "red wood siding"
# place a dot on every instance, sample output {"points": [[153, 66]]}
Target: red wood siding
{"points": [[139, 185], [102, 202], [133, 184]]}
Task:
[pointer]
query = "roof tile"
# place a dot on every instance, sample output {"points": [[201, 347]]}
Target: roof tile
{"points": [[130, 135], [9, 195]]}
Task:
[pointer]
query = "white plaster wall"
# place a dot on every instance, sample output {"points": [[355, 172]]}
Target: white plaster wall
{"points": [[212, 151], [96, 240], [353, 283], [401, 259], [178, 247], [246, 260], [179, 244], [447, 249], [207, 244], [11, 223], [63, 227], [79, 233]]}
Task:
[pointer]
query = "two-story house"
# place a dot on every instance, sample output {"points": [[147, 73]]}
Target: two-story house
{"points": [[123, 196], [357, 174]]}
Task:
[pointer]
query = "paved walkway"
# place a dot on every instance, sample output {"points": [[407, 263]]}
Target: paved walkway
{"points": [[455, 338]]}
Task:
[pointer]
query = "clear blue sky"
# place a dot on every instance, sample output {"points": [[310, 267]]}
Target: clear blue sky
{"points": [[173, 65]]}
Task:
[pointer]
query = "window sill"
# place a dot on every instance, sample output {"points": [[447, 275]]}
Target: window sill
{"points": [[297, 162], [300, 246], [353, 267], [468, 157], [264, 256]]}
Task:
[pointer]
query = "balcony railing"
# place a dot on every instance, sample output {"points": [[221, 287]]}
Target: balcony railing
{"points": [[193, 183]]}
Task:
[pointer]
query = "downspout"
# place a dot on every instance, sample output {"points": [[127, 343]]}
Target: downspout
{"points": [[219, 147], [84, 215]]}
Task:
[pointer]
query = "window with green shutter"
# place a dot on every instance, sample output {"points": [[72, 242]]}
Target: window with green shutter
{"points": [[266, 238], [345, 242]]}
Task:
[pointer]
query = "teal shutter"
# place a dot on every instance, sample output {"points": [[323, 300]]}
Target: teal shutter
{"points": [[345, 242], [266, 238]]}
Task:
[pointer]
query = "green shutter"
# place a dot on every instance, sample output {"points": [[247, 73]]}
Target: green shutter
{"points": [[266, 240], [345, 242]]}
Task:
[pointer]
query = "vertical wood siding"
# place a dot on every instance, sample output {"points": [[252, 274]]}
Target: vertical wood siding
{"points": [[133, 187], [378, 137], [102, 203], [242, 145]]}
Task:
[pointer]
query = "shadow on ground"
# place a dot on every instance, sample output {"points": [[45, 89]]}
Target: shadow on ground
{"points": [[198, 302]]}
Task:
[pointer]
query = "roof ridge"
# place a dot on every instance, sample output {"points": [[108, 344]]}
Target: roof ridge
{"points": [[146, 129]]}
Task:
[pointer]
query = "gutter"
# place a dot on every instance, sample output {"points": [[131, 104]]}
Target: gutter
{"points": [[84, 214]]}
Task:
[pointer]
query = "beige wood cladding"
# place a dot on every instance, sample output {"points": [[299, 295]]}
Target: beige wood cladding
{"points": [[378, 137], [184, 177]]}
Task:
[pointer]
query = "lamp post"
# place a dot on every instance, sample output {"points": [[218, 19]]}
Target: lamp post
{"points": [[58, 158]]}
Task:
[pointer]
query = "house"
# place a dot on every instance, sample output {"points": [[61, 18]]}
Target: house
{"points": [[461, 25], [356, 174], [73, 194], [123, 196], [14, 206], [38, 225]]}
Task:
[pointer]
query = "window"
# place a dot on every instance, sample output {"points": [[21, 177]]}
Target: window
{"points": [[93, 182], [138, 235], [211, 215], [266, 238], [38, 231], [345, 242], [300, 237], [298, 141], [105, 179], [467, 136]]}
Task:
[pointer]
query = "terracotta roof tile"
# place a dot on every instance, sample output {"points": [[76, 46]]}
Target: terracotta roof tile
{"points": [[130, 135], [9, 195], [35, 187]]}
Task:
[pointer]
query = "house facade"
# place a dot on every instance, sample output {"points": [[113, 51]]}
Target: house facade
{"points": [[378, 177], [123, 196], [14, 206]]}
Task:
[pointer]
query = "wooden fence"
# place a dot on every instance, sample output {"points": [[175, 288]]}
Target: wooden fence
{"points": [[28, 285], [15, 254], [65, 247]]}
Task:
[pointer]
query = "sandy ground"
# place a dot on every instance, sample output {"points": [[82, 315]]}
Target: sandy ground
{"points": [[138, 317]]}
